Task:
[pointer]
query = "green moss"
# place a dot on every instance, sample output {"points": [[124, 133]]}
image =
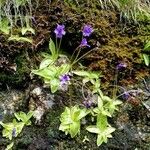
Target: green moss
{"points": [[16, 77]]}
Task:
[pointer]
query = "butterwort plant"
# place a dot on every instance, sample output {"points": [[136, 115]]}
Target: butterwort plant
{"points": [[97, 105], [56, 74], [70, 120], [12, 129]]}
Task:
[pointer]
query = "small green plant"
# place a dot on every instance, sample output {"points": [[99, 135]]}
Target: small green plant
{"points": [[105, 108], [4, 26], [14, 128], [19, 39], [25, 118], [102, 129], [9, 147], [52, 74], [24, 30], [27, 27], [146, 53], [15, 10], [12, 12], [106, 105], [70, 120], [51, 69], [89, 76]]}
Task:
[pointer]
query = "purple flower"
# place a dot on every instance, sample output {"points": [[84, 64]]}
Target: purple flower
{"points": [[33, 19], [87, 30], [84, 43], [60, 31], [88, 103], [121, 66], [126, 95], [14, 132], [64, 79]]}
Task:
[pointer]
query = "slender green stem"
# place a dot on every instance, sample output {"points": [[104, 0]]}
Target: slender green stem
{"points": [[73, 54], [75, 61], [59, 44], [115, 84], [56, 47], [77, 55], [70, 96]]}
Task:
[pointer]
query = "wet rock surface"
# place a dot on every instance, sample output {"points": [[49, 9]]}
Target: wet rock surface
{"points": [[131, 123]]}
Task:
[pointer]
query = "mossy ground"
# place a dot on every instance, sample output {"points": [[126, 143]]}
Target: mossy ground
{"points": [[115, 41]]}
